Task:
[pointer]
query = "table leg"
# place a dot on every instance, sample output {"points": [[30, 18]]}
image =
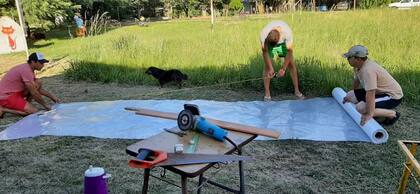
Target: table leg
{"points": [[200, 181], [184, 184], [241, 174], [146, 180]]}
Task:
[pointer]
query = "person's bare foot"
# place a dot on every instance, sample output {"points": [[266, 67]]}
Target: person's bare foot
{"points": [[11, 111], [1, 112]]}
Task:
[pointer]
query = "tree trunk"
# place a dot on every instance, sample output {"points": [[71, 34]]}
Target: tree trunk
{"points": [[138, 11], [259, 6], [292, 5], [313, 5]]}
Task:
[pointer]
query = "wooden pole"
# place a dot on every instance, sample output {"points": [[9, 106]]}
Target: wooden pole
{"points": [[22, 23], [223, 124], [410, 163], [212, 14]]}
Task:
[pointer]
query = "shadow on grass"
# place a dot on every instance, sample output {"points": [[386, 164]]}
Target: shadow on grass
{"points": [[64, 33], [32, 45], [316, 78]]}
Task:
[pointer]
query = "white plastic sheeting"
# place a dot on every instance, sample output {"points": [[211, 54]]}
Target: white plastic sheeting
{"points": [[320, 119], [376, 132]]}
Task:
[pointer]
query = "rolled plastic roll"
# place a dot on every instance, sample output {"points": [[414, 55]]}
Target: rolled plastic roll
{"points": [[372, 129]]}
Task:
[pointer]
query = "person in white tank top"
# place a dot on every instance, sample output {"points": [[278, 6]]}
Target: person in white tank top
{"points": [[277, 40]]}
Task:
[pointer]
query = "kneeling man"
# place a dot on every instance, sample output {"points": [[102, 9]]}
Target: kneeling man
{"points": [[20, 85], [375, 92]]}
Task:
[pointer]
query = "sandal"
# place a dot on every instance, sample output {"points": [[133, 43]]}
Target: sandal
{"points": [[393, 120], [300, 96]]}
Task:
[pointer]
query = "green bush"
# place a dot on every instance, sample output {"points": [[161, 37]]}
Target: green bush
{"points": [[366, 4], [236, 5]]}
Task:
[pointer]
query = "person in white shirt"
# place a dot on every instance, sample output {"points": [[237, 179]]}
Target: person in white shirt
{"points": [[277, 40]]}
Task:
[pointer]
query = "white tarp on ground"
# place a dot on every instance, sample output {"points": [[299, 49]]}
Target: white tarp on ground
{"points": [[320, 119]]}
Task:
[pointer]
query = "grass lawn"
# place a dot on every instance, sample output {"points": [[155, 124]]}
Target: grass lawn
{"points": [[111, 67], [56, 164], [231, 51]]}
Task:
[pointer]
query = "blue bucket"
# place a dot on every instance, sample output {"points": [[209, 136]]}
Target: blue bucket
{"points": [[323, 8]]}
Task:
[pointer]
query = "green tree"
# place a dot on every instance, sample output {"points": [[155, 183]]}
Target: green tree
{"points": [[139, 6], [182, 6], [42, 13], [7, 8], [366, 4], [236, 5], [85, 4], [188, 7], [39, 13]]}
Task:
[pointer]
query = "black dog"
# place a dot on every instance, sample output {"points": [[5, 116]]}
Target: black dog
{"points": [[37, 36], [166, 76]]}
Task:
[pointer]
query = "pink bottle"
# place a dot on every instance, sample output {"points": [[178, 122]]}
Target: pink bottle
{"points": [[96, 181]]}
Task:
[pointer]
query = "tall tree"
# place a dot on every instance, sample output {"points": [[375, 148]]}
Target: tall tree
{"points": [[7, 8], [139, 6], [236, 5], [188, 7], [85, 4], [39, 13]]}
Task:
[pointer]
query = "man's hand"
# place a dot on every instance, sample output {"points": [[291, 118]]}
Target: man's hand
{"points": [[270, 73], [56, 100], [346, 99], [281, 73], [47, 107], [370, 107], [365, 118]]}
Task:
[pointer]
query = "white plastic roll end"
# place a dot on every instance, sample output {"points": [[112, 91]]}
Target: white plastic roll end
{"points": [[372, 129]]}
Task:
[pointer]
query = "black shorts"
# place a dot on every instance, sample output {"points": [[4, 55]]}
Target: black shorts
{"points": [[381, 100]]}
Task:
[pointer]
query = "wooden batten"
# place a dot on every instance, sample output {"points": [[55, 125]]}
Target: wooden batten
{"points": [[223, 124]]}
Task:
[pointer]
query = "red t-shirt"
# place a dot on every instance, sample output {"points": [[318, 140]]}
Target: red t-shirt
{"points": [[14, 80]]}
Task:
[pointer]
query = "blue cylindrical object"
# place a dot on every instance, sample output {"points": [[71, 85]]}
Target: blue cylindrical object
{"points": [[210, 129]]}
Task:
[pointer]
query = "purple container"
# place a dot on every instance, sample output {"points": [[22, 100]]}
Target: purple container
{"points": [[96, 181]]}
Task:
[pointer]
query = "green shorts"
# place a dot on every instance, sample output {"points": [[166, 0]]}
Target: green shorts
{"points": [[278, 50]]}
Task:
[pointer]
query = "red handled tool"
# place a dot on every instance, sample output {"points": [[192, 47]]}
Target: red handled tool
{"points": [[147, 158]]}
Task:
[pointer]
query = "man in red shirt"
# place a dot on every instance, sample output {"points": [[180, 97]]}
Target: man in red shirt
{"points": [[19, 86]]}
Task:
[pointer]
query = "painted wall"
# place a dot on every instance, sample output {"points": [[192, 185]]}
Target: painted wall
{"points": [[12, 37]]}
